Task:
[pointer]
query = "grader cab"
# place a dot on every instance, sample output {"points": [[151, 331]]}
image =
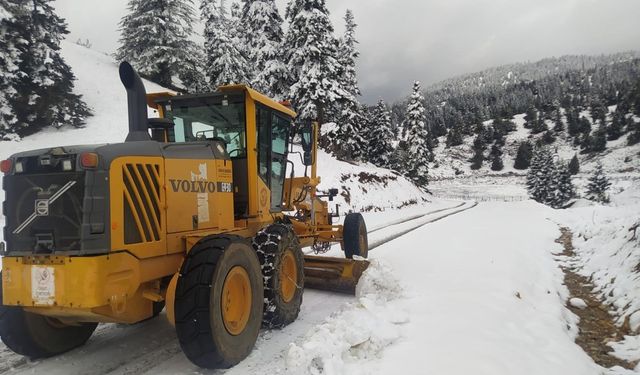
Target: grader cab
{"points": [[199, 210]]}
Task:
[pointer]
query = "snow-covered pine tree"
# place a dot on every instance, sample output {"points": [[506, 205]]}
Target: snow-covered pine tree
{"points": [[496, 157], [44, 85], [379, 136], [417, 138], [225, 62], [564, 189], [598, 185], [454, 136], [615, 129], [599, 139], [155, 39], [9, 55], [541, 176], [478, 152], [311, 57], [574, 165], [523, 155], [348, 141], [264, 36]]}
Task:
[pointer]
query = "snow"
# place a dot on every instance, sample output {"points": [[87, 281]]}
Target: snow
{"points": [[478, 292], [578, 303], [490, 301]]}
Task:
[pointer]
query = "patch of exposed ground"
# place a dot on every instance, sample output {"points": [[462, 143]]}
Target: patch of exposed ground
{"points": [[596, 326]]}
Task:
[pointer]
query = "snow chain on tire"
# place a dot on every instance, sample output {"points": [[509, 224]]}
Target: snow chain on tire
{"points": [[271, 244]]}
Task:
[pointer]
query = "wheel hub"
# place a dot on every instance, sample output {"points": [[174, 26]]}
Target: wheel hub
{"points": [[236, 300], [288, 276]]}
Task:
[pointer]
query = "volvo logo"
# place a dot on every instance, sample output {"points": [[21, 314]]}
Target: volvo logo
{"points": [[42, 207]]}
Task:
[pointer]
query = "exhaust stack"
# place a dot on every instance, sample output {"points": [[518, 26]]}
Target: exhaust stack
{"points": [[137, 102]]}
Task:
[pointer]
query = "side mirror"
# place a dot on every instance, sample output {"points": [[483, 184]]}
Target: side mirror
{"points": [[307, 137]]}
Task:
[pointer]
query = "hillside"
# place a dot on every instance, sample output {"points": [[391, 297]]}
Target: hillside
{"points": [[454, 161]]}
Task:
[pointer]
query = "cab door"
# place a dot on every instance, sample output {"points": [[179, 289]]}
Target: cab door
{"points": [[273, 137]]}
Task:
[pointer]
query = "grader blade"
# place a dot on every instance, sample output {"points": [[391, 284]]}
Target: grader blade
{"points": [[333, 274]]}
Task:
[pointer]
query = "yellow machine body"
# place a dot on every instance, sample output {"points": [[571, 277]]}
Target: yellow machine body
{"points": [[159, 208]]}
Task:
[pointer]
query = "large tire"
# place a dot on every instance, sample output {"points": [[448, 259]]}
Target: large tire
{"points": [[355, 237], [282, 263], [37, 336], [218, 302]]}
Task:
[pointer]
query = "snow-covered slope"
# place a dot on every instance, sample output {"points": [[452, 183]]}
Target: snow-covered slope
{"points": [[363, 187], [451, 162]]}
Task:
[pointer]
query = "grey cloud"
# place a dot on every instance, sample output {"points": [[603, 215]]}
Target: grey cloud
{"points": [[430, 40]]}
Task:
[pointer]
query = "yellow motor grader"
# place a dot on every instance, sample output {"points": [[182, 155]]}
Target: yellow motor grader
{"points": [[198, 210]]}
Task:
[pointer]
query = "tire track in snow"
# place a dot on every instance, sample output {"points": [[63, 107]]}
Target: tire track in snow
{"points": [[411, 224]]}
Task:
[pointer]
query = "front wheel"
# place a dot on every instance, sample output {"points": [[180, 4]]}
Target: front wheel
{"points": [[218, 302], [38, 336], [282, 263], [355, 238]]}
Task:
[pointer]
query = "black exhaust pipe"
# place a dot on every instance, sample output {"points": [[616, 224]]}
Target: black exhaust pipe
{"points": [[137, 102]]}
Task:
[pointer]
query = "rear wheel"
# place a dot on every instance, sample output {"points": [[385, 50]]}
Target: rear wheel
{"points": [[355, 236], [38, 336], [282, 263], [218, 302]]}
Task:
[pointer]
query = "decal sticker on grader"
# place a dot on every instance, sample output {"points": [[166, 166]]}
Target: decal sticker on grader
{"points": [[43, 286]]}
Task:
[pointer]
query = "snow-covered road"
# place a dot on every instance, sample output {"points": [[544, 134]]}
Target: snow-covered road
{"points": [[476, 293]]}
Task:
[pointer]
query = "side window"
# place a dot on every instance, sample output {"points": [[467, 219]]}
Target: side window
{"points": [[273, 136], [279, 136], [263, 129]]}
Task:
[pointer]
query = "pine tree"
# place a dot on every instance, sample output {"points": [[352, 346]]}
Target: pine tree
{"points": [[599, 139], [614, 130], [417, 139], [478, 152], [311, 59], [574, 165], [564, 189], [496, 157], [349, 141], [380, 136], [634, 133], [43, 89], [559, 124], [539, 126], [264, 45], [598, 185], [573, 124], [9, 58], [454, 137], [523, 156], [225, 62], [541, 176], [155, 39]]}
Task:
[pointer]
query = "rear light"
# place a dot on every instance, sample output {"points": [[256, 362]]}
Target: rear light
{"points": [[89, 160], [5, 166]]}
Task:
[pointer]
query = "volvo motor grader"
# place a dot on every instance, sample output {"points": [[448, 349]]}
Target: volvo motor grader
{"points": [[198, 210]]}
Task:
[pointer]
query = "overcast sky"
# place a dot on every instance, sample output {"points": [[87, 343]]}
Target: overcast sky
{"points": [[430, 40]]}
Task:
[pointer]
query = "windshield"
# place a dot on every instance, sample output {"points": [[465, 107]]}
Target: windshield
{"points": [[219, 118]]}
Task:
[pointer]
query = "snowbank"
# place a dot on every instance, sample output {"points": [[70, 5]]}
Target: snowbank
{"points": [[359, 333]]}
